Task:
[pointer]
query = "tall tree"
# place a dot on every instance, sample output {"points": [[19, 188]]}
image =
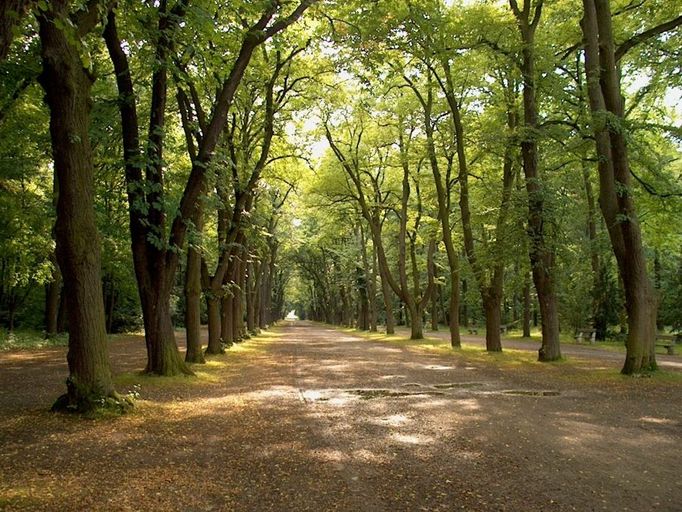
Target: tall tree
{"points": [[615, 183], [542, 255], [67, 86]]}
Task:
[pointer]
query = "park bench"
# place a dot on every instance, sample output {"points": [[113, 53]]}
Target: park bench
{"points": [[668, 341], [585, 333], [473, 330]]}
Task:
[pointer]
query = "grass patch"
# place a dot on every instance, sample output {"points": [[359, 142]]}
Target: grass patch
{"points": [[214, 371], [472, 353], [571, 369], [30, 340]]}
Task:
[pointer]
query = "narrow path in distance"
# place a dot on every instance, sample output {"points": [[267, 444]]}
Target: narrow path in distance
{"points": [[307, 418]]}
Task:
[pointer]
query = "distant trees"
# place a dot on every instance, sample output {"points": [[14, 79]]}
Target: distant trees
{"points": [[488, 72]]}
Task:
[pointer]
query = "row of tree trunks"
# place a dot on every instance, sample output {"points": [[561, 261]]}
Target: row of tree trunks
{"points": [[156, 260]]}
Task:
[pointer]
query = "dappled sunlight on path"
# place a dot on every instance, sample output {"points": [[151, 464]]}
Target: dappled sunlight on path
{"points": [[306, 417]]}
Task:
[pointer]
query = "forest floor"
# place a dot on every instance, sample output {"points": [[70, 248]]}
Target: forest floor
{"points": [[307, 418]]}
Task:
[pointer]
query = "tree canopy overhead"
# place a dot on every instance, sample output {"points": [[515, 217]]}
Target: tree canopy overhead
{"points": [[497, 163]]}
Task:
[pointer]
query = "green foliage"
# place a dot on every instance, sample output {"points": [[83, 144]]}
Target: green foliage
{"points": [[364, 70], [29, 340]]}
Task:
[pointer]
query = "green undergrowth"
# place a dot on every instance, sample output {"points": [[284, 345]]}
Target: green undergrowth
{"points": [[472, 353], [29, 340]]}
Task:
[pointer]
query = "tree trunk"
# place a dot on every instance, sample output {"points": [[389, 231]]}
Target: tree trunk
{"points": [[526, 307], [416, 323], [154, 265], [540, 252], [493, 320], [52, 303], [67, 92], [194, 352], [388, 304], [237, 301], [63, 315], [443, 196], [250, 296], [215, 329], [615, 196], [163, 357], [226, 334]]}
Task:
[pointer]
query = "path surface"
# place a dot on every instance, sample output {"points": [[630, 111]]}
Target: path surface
{"points": [[310, 419]]}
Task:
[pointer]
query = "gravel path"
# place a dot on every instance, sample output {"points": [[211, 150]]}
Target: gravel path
{"points": [[306, 418]]}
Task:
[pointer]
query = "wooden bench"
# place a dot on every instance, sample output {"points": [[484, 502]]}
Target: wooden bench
{"points": [[667, 341], [473, 330], [589, 333]]}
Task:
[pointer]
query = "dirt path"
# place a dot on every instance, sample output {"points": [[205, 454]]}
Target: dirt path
{"points": [[307, 418]]}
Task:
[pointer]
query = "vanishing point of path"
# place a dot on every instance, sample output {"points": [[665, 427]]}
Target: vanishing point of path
{"points": [[306, 418]]}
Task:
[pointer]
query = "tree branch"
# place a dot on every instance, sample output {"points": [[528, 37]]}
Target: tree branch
{"points": [[647, 34]]}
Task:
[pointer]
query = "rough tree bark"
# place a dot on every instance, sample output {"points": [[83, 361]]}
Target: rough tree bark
{"points": [[67, 92]]}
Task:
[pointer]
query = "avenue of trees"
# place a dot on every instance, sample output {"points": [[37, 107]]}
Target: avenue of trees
{"points": [[174, 163]]}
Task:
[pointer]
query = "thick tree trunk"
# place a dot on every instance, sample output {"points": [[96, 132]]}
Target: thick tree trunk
{"points": [[615, 196], [493, 320], [63, 315], [67, 89], [154, 265], [163, 357], [226, 334], [416, 323]]}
